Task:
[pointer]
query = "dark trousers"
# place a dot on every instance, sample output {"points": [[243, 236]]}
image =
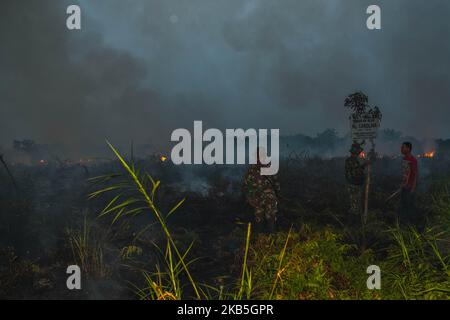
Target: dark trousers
{"points": [[408, 212]]}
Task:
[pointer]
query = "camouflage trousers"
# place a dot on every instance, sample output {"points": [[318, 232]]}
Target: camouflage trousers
{"points": [[265, 204], [356, 198]]}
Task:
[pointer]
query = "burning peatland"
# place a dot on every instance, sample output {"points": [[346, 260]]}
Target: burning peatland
{"points": [[125, 251]]}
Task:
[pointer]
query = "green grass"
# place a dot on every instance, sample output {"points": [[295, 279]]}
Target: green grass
{"points": [[140, 189], [316, 264], [87, 251], [308, 264], [417, 266]]}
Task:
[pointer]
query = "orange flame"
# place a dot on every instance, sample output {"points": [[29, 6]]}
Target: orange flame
{"points": [[429, 154]]}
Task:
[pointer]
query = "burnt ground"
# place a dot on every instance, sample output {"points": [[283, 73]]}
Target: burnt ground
{"points": [[51, 200]]}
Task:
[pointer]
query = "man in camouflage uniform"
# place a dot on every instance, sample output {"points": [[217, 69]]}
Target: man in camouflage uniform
{"points": [[261, 193], [355, 176]]}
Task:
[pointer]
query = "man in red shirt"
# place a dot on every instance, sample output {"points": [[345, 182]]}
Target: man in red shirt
{"points": [[409, 183]]}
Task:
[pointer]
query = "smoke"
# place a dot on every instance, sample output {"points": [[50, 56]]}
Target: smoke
{"points": [[140, 69], [67, 87]]}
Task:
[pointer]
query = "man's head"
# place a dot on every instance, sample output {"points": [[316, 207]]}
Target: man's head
{"points": [[356, 149], [406, 148]]}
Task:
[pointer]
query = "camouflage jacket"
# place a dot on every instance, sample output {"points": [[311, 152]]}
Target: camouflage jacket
{"points": [[354, 171], [255, 183]]}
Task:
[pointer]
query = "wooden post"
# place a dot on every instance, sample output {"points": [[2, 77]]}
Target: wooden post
{"points": [[367, 186], [366, 194]]}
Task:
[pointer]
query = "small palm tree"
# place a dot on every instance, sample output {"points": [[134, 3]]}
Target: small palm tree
{"points": [[357, 102]]}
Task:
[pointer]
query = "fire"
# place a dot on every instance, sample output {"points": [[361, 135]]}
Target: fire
{"points": [[427, 154], [163, 158]]}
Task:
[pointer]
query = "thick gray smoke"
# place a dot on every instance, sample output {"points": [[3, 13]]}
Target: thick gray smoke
{"points": [[139, 69]]}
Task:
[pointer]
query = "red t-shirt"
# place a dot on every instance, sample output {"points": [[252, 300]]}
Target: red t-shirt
{"points": [[410, 171]]}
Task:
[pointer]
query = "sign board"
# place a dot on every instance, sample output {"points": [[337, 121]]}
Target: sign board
{"points": [[364, 126]]}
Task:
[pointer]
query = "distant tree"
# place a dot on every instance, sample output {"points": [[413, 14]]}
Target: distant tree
{"points": [[27, 146], [390, 135], [329, 138]]}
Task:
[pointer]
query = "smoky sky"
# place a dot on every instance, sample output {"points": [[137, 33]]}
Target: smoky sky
{"points": [[140, 69]]}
